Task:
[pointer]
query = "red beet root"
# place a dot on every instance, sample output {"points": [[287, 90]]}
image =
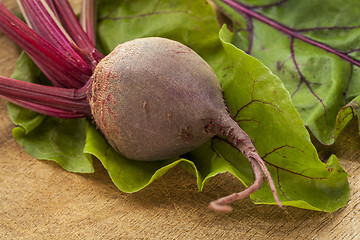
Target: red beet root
{"points": [[152, 98]]}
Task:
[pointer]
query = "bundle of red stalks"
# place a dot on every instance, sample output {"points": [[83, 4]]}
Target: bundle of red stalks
{"points": [[152, 98]]}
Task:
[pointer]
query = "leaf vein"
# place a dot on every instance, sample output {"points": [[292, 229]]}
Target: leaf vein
{"points": [[304, 81], [288, 31]]}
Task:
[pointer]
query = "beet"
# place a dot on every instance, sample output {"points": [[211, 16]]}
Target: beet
{"points": [[152, 98]]}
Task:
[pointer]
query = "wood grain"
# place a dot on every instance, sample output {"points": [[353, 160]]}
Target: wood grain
{"points": [[39, 200]]}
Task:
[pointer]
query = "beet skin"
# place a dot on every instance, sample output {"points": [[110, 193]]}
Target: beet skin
{"points": [[152, 98]]}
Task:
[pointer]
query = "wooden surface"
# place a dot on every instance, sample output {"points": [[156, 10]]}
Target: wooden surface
{"points": [[39, 200]]}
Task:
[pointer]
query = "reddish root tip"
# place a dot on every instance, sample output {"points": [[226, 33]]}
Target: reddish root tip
{"points": [[255, 156], [230, 129], [220, 208], [220, 205]]}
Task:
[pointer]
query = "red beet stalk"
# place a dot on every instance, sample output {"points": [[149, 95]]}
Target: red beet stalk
{"points": [[66, 55]]}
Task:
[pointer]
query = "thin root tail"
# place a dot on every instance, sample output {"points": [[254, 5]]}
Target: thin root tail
{"points": [[220, 205], [239, 139]]}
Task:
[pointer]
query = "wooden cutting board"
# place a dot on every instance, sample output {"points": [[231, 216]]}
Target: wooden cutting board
{"points": [[40, 200]]}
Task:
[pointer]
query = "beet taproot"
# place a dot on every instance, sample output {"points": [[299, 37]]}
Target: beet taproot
{"points": [[153, 97]]}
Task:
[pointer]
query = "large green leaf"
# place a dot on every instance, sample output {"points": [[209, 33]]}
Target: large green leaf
{"points": [[255, 96], [321, 71]]}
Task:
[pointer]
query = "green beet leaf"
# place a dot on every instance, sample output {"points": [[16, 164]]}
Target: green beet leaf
{"points": [[255, 96], [312, 46]]}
